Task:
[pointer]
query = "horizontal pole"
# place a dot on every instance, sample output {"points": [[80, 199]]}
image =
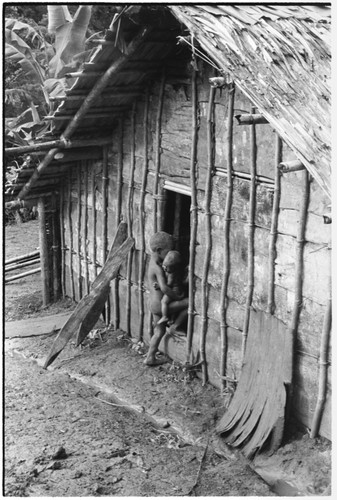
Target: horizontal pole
{"points": [[59, 143], [22, 275], [105, 95], [29, 201], [22, 264], [89, 116], [248, 119], [29, 255], [291, 166]]}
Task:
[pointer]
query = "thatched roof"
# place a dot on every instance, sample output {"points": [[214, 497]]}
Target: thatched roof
{"points": [[278, 55]]}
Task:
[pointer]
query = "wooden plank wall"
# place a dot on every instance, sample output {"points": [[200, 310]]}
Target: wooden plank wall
{"points": [[132, 166]]}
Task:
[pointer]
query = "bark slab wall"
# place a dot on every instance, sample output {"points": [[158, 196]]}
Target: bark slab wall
{"points": [[130, 166]]}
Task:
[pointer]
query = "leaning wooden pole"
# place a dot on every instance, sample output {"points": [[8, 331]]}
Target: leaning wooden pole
{"points": [[79, 237], [70, 225], [43, 244], [193, 218], [323, 369], [85, 227], [227, 220], [156, 214], [93, 224], [100, 85], [208, 233], [118, 216], [130, 220], [142, 220], [105, 221], [299, 267], [58, 143], [274, 226], [251, 224]]}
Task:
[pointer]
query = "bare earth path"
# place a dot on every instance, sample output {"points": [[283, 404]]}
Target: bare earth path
{"points": [[100, 423]]}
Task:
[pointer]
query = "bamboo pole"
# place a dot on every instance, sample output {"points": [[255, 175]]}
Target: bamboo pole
{"points": [[78, 226], [250, 119], [55, 253], [142, 219], [323, 369], [22, 275], [72, 286], [43, 244], [130, 220], [274, 226], [193, 219], [252, 204], [299, 265], [62, 240], [89, 116], [156, 215], [291, 166], [85, 227], [93, 227], [22, 264], [27, 256], [100, 85], [59, 143], [105, 222], [208, 233], [228, 206], [118, 216]]}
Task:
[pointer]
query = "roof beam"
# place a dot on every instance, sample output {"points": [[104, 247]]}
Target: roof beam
{"points": [[59, 143], [100, 85]]}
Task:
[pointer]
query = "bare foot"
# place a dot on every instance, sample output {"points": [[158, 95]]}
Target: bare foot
{"points": [[155, 361], [163, 319]]}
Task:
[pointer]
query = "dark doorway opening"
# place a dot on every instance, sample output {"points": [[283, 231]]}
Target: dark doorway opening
{"points": [[177, 222]]}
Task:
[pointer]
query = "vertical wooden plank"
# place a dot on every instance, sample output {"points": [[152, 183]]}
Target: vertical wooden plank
{"points": [[43, 244], [193, 218], [118, 215], [79, 215], [63, 249], [251, 223], [142, 219], [70, 225], [156, 220], [93, 228], [299, 265], [130, 220], [227, 220], [208, 235], [55, 250], [105, 221], [85, 226], [176, 222], [274, 226]]}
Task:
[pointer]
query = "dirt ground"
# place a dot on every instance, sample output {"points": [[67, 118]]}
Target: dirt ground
{"points": [[100, 423]]}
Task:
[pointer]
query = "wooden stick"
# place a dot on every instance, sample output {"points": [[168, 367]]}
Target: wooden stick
{"points": [[299, 265], [63, 249], [323, 369], [156, 215], [273, 228], [105, 221], [208, 232], [252, 203], [89, 116], [118, 216], [228, 206], [291, 166], [100, 85], [59, 143], [193, 219], [27, 256], [22, 264], [141, 220], [43, 244], [70, 238], [22, 275], [250, 119], [93, 227], [78, 225], [85, 226], [130, 220], [55, 253]]}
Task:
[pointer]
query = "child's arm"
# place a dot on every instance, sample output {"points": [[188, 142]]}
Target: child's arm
{"points": [[166, 290]]}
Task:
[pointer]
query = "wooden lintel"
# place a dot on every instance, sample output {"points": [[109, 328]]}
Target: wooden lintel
{"points": [[250, 119]]}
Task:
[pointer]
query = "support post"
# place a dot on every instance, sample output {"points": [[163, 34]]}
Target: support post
{"points": [[118, 216], [43, 244], [156, 215]]}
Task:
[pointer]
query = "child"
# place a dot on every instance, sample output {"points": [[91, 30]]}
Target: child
{"points": [[173, 272], [161, 244]]}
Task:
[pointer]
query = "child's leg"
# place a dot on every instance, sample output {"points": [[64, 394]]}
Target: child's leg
{"points": [[164, 309]]}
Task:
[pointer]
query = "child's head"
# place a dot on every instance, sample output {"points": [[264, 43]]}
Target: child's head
{"points": [[161, 243], [171, 261]]}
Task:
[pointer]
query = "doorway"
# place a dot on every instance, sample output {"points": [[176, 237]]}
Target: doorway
{"points": [[177, 221]]}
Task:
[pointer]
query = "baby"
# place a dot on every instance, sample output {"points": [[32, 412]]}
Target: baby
{"points": [[173, 272]]}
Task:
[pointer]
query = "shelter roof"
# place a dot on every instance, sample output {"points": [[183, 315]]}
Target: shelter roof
{"points": [[278, 55]]}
